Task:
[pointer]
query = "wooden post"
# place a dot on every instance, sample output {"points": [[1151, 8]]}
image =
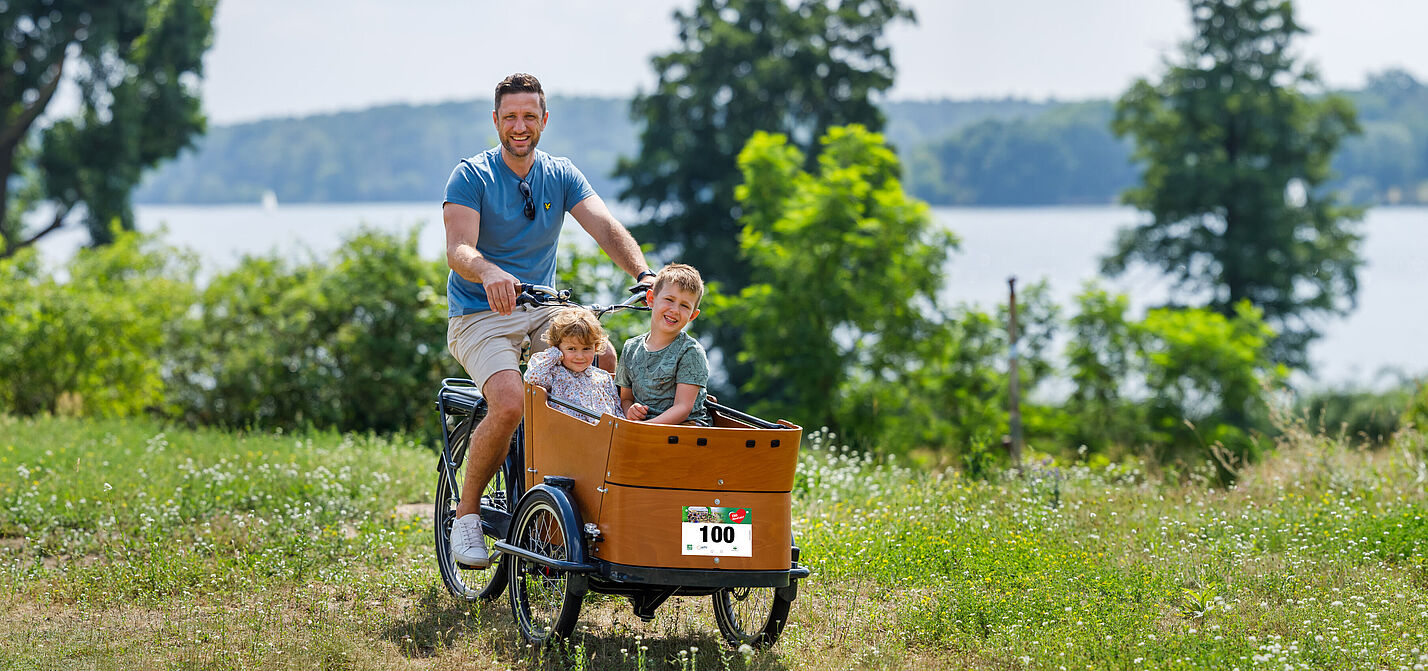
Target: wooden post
{"points": [[1013, 393]]}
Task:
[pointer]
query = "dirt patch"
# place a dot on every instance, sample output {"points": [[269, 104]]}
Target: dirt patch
{"points": [[53, 562], [422, 510], [13, 543]]}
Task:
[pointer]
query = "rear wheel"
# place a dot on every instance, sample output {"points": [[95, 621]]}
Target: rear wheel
{"points": [[751, 615], [461, 581], [546, 600]]}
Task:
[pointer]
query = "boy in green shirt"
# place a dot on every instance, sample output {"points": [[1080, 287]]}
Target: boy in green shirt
{"points": [[663, 374]]}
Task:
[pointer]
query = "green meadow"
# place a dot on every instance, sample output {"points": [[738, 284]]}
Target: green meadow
{"points": [[133, 544]]}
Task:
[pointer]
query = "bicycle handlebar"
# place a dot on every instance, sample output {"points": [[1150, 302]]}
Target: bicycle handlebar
{"points": [[539, 294]]}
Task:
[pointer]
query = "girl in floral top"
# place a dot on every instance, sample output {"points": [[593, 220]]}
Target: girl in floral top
{"points": [[566, 369]]}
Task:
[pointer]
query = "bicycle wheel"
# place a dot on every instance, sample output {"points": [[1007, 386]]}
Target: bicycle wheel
{"points": [[752, 615], [463, 583], [546, 601]]}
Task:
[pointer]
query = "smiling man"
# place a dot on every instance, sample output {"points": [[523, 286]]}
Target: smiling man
{"points": [[504, 209]]}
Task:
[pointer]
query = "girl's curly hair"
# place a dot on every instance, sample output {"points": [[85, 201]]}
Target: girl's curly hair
{"points": [[576, 324]]}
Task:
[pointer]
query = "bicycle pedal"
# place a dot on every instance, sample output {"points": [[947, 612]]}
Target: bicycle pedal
{"points": [[467, 567]]}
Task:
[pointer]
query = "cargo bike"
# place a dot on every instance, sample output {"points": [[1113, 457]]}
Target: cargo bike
{"points": [[624, 507]]}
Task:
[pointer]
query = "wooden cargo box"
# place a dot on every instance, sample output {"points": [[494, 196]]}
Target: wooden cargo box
{"points": [[682, 497]]}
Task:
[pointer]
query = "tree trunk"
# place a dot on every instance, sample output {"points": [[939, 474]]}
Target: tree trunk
{"points": [[1231, 253], [7, 240], [11, 136]]}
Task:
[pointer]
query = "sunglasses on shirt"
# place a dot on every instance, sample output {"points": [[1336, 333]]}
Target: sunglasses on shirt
{"points": [[530, 204]]}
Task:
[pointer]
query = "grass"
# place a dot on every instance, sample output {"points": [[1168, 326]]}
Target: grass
{"points": [[128, 544]]}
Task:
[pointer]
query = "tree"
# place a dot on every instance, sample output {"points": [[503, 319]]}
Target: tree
{"points": [[848, 268], [744, 66], [135, 65], [1236, 158], [843, 325]]}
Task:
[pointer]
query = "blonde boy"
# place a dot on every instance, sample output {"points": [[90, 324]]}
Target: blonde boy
{"points": [[663, 374]]}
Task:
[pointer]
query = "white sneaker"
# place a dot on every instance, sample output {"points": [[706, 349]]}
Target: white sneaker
{"points": [[468, 544]]}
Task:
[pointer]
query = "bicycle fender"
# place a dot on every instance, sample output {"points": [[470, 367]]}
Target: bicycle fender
{"points": [[570, 517]]}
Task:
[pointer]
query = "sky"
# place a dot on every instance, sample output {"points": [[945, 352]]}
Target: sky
{"points": [[284, 58]]}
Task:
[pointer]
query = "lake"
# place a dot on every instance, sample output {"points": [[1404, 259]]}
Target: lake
{"points": [[1059, 244]]}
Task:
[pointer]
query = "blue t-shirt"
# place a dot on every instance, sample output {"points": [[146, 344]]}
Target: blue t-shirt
{"points": [[517, 245]]}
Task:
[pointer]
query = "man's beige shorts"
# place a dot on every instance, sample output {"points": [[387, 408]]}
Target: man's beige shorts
{"points": [[486, 343]]}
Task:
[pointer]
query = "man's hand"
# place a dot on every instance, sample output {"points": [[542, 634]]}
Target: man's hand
{"points": [[637, 411], [500, 289]]}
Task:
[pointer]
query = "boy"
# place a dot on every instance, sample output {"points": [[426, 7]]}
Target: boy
{"points": [[662, 374]]}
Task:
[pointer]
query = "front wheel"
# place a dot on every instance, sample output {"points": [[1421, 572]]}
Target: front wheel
{"points": [[546, 600], [751, 615]]}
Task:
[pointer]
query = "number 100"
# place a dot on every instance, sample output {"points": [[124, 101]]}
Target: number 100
{"points": [[717, 534]]}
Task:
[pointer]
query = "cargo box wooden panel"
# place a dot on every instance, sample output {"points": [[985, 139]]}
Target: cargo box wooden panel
{"points": [[641, 527], [569, 447], [707, 458]]}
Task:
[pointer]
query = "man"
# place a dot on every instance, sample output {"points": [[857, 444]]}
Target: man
{"points": [[503, 211]]}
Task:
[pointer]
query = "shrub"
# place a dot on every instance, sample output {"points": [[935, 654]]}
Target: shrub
{"points": [[93, 339], [1184, 383], [1417, 411], [355, 343], [1205, 374], [1361, 413]]}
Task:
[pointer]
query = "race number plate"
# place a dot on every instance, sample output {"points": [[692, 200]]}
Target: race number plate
{"points": [[717, 532]]}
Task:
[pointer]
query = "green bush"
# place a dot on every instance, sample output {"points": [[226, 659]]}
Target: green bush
{"points": [[1417, 412], [1183, 384], [1363, 414], [354, 342], [1100, 357], [95, 342], [1206, 376], [357, 342]]}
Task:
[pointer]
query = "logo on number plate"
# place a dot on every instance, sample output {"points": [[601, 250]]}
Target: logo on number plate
{"points": [[737, 516]]}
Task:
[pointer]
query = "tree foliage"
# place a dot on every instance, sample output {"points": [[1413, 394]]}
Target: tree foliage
{"points": [[135, 65], [1065, 155], [846, 271], [328, 157], [1236, 159], [954, 152], [745, 66]]}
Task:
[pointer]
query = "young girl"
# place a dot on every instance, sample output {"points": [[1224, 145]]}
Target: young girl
{"points": [[566, 369]]}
